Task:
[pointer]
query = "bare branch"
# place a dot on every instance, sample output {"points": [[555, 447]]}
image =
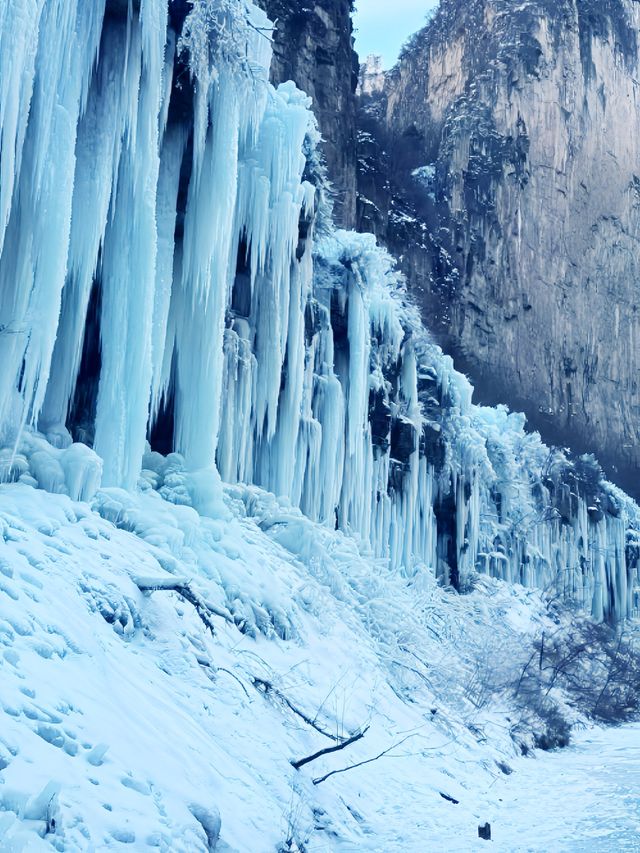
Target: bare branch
{"points": [[228, 672], [184, 591], [329, 749], [610, 674], [524, 671], [267, 687], [360, 763]]}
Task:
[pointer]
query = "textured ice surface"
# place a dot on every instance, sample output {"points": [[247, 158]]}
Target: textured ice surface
{"points": [[180, 290]]}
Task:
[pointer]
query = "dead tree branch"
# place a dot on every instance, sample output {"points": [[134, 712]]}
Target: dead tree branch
{"points": [[184, 591], [360, 763], [329, 749], [268, 688], [228, 672]]}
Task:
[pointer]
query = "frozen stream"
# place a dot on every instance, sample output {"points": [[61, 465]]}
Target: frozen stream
{"points": [[586, 798]]}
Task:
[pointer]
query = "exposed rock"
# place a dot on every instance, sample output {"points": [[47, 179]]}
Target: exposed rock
{"points": [[500, 164], [372, 77], [484, 832], [314, 48]]}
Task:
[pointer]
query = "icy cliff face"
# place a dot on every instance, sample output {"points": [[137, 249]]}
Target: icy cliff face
{"points": [[164, 300], [512, 132], [313, 46]]}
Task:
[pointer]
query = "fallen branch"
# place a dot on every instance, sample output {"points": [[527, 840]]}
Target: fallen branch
{"points": [[267, 687], [216, 669], [184, 591], [329, 749], [360, 763], [450, 799], [228, 672]]}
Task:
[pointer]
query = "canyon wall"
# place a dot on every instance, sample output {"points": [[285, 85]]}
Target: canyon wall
{"points": [[501, 164], [313, 46]]}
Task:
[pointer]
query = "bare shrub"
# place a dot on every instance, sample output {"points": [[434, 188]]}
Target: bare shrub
{"points": [[576, 669], [582, 668]]}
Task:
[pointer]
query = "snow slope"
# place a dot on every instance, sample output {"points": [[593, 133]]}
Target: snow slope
{"points": [[124, 720]]}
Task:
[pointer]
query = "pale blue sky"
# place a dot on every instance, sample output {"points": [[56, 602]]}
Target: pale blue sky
{"points": [[384, 25]]}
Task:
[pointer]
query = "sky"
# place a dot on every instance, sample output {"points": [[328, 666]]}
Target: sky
{"points": [[382, 26]]}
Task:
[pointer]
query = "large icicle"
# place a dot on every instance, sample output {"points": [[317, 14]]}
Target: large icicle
{"points": [[229, 108], [38, 165], [129, 257]]}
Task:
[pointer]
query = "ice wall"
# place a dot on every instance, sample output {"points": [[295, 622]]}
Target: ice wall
{"points": [[160, 281]]}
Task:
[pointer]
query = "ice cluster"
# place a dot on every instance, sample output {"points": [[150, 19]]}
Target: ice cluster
{"points": [[163, 294]]}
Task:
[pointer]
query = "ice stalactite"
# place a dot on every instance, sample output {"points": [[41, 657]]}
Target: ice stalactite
{"points": [[161, 279], [43, 96], [129, 255]]}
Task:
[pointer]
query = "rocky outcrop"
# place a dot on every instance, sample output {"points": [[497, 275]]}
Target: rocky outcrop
{"points": [[501, 164], [313, 46], [371, 80]]}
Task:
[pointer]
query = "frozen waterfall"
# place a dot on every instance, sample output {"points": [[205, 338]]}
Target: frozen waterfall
{"points": [[162, 290]]}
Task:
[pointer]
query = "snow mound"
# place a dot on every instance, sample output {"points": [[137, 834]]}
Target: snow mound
{"points": [[161, 670]]}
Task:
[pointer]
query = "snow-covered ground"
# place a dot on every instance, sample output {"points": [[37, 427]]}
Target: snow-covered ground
{"points": [[128, 724], [125, 721], [585, 798]]}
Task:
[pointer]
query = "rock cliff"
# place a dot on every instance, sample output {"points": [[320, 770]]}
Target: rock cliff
{"points": [[501, 164], [313, 45]]}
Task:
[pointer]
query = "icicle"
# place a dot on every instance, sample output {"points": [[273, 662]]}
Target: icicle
{"points": [[98, 150], [35, 245], [19, 27], [206, 270], [168, 184], [129, 255], [295, 364]]}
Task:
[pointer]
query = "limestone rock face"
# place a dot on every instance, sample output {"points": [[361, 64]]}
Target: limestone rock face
{"points": [[314, 48], [501, 164], [372, 78]]}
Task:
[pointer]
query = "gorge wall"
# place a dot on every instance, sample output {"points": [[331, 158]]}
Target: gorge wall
{"points": [[240, 485], [313, 46], [500, 164]]}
